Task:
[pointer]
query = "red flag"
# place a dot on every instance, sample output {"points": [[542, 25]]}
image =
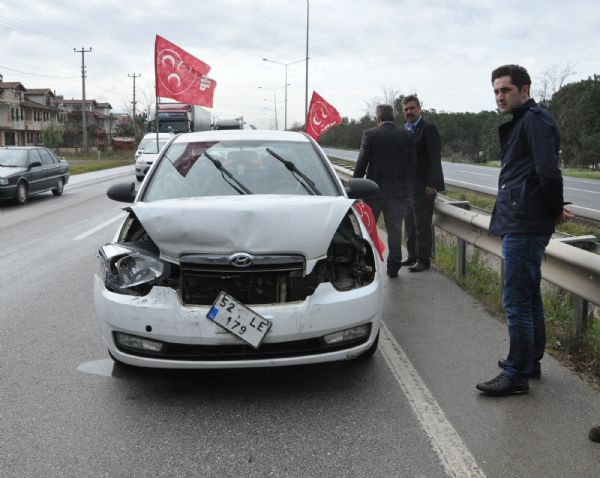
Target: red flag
{"points": [[181, 76], [321, 116], [366, 214]]}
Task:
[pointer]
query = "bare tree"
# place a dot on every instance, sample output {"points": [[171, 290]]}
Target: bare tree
{"points": [[389, 97], [552, 79]]}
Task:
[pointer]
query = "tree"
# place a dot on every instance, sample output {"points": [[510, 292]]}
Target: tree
{"points": [[552, 80], [53, 135]]}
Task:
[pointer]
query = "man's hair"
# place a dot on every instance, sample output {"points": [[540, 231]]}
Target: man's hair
{"points": [[409, 98], [384, 112], [518, 75]]}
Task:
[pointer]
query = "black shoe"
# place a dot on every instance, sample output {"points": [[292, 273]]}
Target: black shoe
{"points": [[594, 434], [392, 272], [411, 261], [501, 386], [419, 267], [535, 374]]}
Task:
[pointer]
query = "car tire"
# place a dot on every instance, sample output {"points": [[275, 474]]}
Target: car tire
{"points": [[60, 186], [21, 193], [371, 350], [139, 178]]}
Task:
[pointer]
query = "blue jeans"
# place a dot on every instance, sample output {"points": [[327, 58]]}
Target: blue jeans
{"points": [[522, 301]]}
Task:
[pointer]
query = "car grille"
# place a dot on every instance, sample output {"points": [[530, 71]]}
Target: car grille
{"points": [[296, 348], [268, 280]]}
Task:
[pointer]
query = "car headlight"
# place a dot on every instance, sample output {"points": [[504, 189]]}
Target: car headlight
{"points": [[3, 181], [124, 269]]}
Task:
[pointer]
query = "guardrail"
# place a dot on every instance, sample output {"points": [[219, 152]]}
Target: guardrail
{"points": [[569, 267]]}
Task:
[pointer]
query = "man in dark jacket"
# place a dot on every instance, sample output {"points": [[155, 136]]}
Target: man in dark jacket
{"points": [[429, 181], [529, 204], [385, 157]]}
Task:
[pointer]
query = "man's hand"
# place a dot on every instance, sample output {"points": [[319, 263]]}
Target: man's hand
{"points": [[565, 216], [430, 191]]}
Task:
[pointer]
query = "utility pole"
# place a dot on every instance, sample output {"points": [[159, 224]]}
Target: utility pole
{"points": [[83, 51], [134, 76]]}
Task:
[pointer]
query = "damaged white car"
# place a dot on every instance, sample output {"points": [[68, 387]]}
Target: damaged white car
{"points": [[241, 249]]}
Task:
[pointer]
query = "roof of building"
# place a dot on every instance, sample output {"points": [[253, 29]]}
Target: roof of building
{"points": [[39, 91], [35, 104], [11, 85]]}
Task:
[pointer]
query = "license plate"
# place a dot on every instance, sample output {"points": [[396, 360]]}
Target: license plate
{"points": [[239, 319]]}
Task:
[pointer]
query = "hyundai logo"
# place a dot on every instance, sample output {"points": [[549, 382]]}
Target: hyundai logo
{"points": [[241, 259]]}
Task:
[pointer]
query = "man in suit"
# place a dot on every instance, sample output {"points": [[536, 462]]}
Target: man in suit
{"points": [[386, 158], [429, 181]]}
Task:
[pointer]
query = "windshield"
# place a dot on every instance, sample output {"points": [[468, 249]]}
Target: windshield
{"points": [[171, 126], [185, 172], [148, 145], [13, 157]]}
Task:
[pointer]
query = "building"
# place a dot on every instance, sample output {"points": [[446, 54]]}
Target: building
{"points": [[25, 113]]}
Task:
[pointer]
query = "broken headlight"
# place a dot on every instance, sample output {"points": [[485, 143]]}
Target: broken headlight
{"points": [[129, 270]]}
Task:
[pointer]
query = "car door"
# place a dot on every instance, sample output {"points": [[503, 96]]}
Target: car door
{"points": [[35, 174], [50, 169]]}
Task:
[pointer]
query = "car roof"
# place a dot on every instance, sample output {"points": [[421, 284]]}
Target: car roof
{"points": [[243, 135]]}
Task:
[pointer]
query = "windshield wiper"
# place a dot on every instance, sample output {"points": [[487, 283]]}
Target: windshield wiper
{"points": [[9, 165], [224, 171], [307, 183]]}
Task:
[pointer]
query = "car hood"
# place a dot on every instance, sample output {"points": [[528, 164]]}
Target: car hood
{"points": [[257, 224], [6, 171]]}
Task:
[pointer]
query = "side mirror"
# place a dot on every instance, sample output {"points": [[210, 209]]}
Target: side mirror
{"points": [[122, 192], [34, 164], [361, 188]]}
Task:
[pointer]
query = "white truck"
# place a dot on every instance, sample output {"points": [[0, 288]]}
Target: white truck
{"points": [[182, 118]]}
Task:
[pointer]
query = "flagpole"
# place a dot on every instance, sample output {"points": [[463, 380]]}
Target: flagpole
{"points": [[156, 121]]}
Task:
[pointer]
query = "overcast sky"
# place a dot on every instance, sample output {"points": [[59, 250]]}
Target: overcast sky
{"points": [[442, 50]]}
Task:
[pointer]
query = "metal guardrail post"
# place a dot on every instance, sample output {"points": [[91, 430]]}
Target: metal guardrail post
{"points": [[461, 258], [580, 315]]}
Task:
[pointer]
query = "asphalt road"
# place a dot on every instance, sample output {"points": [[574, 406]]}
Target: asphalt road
{"points": [[583, 193], [411, 411]]}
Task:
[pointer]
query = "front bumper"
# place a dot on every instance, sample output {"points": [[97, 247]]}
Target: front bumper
{"points": [[292, 340], [8, 192]]}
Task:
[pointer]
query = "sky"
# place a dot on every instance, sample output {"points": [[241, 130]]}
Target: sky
{"points": [[444, 51]]}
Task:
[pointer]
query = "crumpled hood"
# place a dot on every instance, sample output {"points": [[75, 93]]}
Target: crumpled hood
{"points": [[6, 171], [257, 224]]}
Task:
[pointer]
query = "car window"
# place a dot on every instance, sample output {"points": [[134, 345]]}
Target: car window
{"points": [[148, 145], [13, 157], [34, 156], [46, 158], [185, 171]]}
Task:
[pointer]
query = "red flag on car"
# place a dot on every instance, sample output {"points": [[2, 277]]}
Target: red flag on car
{"points": [[321, 116], [181, 76], [368, 218]]}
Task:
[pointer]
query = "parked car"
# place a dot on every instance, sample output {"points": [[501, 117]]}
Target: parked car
{"points": [[241, 249], [147, 152], [29, 170]]}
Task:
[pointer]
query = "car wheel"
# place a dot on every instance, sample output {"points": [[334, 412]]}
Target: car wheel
{"points": [[139, 178], [60, 186], [371, 350], [21, 194]]}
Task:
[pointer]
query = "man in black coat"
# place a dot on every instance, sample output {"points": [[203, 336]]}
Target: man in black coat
{"points": [[386, 158], [528, 205], [429, 181]]}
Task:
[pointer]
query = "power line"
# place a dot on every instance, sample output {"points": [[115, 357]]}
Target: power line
{"points": [[35, 74]]}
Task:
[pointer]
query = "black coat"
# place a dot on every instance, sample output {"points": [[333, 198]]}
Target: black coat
{"points": [[429, 157], [530, 188], [387, 157]]}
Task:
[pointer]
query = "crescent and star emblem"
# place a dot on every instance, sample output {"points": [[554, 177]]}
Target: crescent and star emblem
{"points": [[175, 75]]}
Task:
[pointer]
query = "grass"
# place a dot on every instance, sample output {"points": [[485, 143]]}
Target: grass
{"points": [[88, 162]]}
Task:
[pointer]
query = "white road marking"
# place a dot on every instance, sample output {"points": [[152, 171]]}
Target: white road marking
{"points": [[581, 207], [102, 367], [95, 229], [454, 455], [471, 184], [471, 172], [580, 190]]}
